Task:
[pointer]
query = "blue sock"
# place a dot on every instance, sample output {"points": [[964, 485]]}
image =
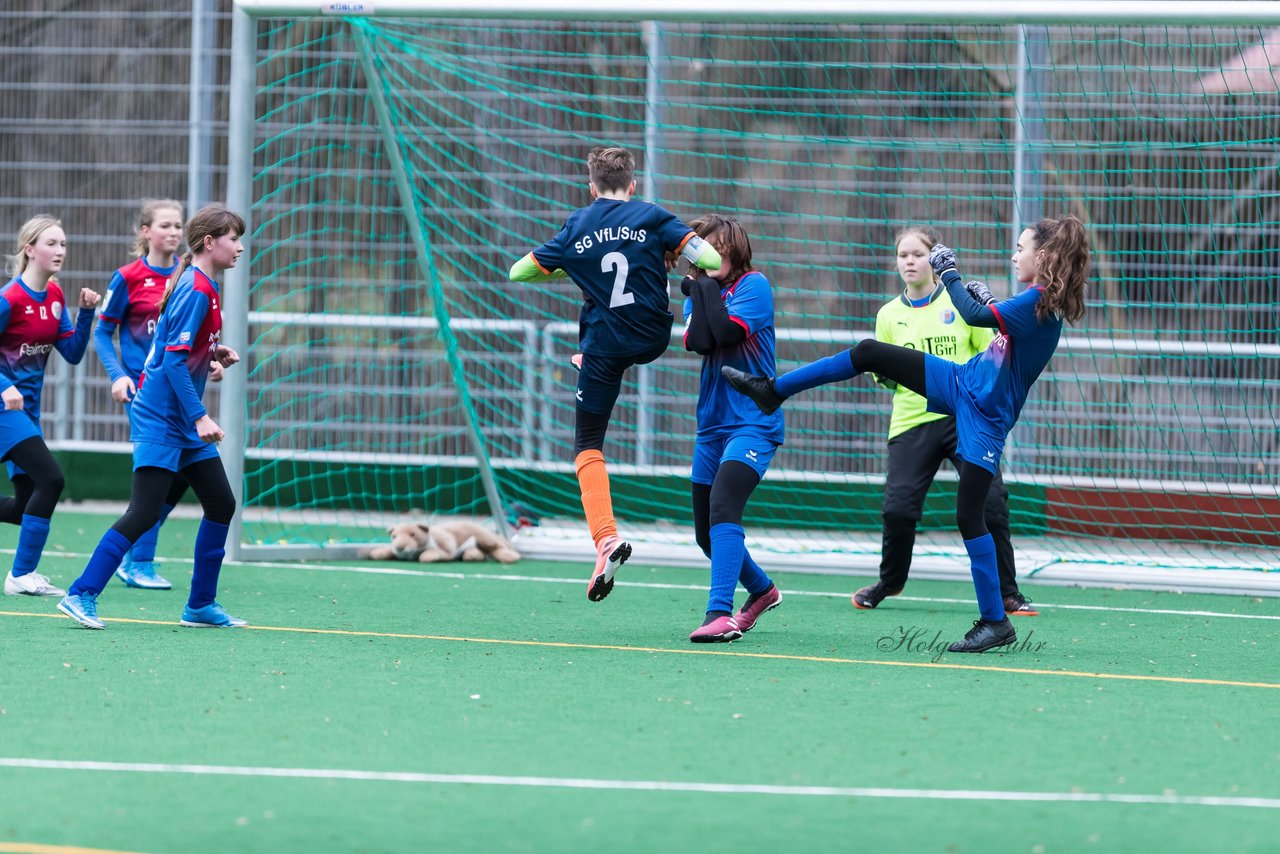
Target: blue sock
{"points": [[829, 370], [752, 576], [728, 545], [986, 580], [210, 540], [145, 548], [31, 539], [102, 565]]}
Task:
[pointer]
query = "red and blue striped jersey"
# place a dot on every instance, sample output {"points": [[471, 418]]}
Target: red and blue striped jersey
{"points": [[31, 324], [133, 305]]}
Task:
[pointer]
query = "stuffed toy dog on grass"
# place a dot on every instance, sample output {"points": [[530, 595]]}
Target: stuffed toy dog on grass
{"points": [[444, 541]]}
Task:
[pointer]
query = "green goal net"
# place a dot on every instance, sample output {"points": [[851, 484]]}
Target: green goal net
{"points": [[401, 165]]}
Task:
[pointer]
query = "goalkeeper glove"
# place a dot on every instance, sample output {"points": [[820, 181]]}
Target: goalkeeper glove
{"points": [[942, 259], [980, 292]]}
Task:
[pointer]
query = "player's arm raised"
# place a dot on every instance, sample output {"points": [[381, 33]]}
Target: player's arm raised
{"points": [[527, 269], [700, 253]]}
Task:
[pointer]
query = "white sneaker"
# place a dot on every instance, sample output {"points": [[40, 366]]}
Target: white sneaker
{"points": [[31, 584]]}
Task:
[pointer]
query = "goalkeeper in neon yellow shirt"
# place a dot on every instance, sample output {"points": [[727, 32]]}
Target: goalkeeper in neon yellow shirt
{"points": [[923, 318]]}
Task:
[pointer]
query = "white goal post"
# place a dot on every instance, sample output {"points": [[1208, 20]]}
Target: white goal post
{"points": [[1050, 560]]}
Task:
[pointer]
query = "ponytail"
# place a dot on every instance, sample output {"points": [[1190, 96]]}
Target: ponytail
{"points": [[1063, 245], [213, 221]]}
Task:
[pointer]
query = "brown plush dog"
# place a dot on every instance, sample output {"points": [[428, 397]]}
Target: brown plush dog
{"points": [[444, 541]]}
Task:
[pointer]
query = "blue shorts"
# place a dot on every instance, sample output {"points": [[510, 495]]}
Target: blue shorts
{"points": [[600, 378], [978, 441], [16, 426], [748, 448], [168, 457]]}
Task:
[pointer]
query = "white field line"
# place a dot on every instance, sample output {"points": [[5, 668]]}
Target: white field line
{"points": [[636, 785], [538, 579]]}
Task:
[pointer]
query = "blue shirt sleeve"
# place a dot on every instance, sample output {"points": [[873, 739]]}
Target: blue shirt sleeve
{"points": [[116, 306], [174, 366], [103, 335], [671, 230], [751, 303], [970, 310], [72, 344], [550, 255]]}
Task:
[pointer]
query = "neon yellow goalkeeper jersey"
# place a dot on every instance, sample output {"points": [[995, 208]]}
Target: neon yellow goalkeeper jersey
{"points": [[936, 328]]}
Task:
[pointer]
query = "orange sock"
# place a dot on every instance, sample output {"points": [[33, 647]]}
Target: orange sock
{"points": [[593, 481]]}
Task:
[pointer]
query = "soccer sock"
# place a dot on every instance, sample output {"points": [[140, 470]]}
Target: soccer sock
{"points": [[593, 481], [986, 578], [102, 564], [210, 541], [829, 370], [753, 578], [31, 539], [728, 546], [145, 548]]}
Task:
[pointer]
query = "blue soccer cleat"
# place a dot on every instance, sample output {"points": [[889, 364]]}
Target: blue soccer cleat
{"points": [[141, 574], [210, 617], [83, 609]]}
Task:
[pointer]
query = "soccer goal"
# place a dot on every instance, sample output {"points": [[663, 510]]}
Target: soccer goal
{"points": [[394, 158]]}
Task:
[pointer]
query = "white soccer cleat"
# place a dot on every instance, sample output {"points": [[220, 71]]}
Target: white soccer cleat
{"points": [[31, 584]]}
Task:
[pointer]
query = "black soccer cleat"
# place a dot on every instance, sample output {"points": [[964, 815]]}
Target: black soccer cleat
{"points": [[759, 389], [986, 635], [872, 595], [1017, 605]]}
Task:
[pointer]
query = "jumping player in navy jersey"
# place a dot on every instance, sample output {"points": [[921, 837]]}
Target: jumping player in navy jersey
{"points": [[132, 306], [34, 319], [985, 394], [614, 250], [172, 432], [729, 321]]}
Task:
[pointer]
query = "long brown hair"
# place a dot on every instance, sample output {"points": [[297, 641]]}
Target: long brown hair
{"points": [[213, 221], [147, 216], [732, 237], [1063, 247]]}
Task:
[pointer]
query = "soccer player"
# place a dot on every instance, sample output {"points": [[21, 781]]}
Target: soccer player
{"points": [[172, 432], [34, 319], [729, 321], [924, 318], [986, 394], [132, 306], [614, 251]]}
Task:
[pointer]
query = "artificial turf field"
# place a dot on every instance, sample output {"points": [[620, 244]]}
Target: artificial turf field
{"points": [[493, 708]]}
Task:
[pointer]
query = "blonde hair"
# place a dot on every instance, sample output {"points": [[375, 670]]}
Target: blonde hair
{"points": [[147, 216], [213, 221], [27, 235]]}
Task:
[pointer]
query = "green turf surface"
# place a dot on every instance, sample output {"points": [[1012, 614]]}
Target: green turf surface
{"points": [[832, 705]]}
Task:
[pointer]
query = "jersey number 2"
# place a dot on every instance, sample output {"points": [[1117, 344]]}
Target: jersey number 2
{"points": [[617, 262]]}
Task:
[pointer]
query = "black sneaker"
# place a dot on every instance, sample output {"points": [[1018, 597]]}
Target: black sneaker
{"points": [[1017, 605], [986, 635], [872, 595], [759, 389]]}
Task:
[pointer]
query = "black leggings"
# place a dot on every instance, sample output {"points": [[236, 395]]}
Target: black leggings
{"points": [[36, 491], [906, 367], [723, 500], [152, 486]]}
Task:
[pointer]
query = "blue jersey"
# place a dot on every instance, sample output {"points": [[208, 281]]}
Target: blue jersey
{"points": [[132, 304], [32, 324], [997, 380], [173, 379], [614, 251], [722, 410]]}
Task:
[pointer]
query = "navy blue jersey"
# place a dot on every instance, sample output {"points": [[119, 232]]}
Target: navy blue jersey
{"points": [[613, 250], [997, 380], [722, 410]]}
